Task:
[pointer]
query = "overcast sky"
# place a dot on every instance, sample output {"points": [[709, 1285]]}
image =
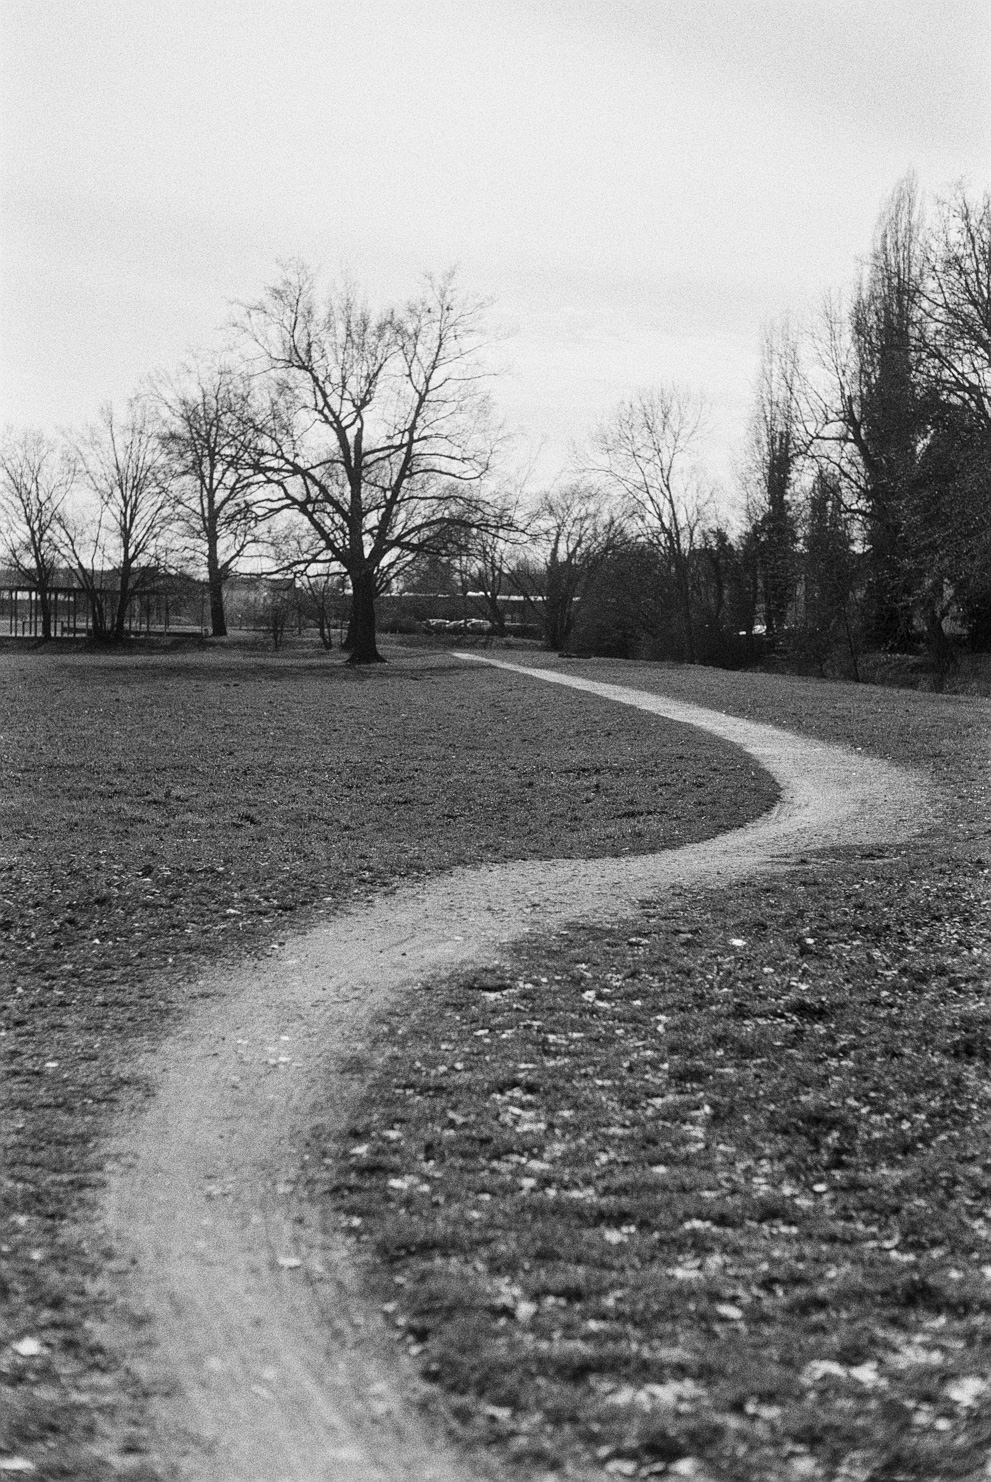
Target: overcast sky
{"points": [[639, 184]]}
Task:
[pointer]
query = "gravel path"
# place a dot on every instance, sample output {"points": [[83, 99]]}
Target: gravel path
{"points": [[256, 1347]]}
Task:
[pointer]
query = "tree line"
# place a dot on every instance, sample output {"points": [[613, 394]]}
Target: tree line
{"points": [[332, 441]]}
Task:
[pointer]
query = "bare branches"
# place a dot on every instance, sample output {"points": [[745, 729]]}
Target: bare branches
{"points": [[119, 549], [957, 299], [645, 451], [206, 433], [571, 532], [36, 478], [373, 427]]}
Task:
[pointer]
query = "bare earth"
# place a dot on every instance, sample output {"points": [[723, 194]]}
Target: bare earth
{"points": [[264, 1364]]}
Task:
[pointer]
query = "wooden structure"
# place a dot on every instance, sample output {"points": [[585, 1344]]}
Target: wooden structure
{"points": [[155, 612]]}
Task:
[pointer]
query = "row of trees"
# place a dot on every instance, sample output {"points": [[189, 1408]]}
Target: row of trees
{"points": [[865, 485], [868, 480], [331, 439]]}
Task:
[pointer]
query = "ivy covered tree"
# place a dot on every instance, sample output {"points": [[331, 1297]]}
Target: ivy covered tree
{"points": [[776, 448]]}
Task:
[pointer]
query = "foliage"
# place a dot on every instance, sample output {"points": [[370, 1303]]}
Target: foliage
{"points": [[899, 420], [775, 453]]}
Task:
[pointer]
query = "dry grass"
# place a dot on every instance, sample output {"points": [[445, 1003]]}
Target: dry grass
{"points": [[163, 810], [712, 1196]]}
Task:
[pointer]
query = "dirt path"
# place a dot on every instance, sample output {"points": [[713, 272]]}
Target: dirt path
{"points": [[256, 1346]]}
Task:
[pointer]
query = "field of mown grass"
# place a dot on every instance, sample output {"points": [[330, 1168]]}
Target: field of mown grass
{"points": [[710, 1195], [161, 810]]}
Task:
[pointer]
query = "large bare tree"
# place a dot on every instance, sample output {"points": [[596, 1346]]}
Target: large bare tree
{"points": [[36, 477], [117, 544], [645, 450], [206, 435], [376, 428]]}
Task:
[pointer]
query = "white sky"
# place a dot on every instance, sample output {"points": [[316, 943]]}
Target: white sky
{"points": [[639, 184]]}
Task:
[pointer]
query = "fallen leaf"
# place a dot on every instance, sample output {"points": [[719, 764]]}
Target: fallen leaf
{"points": [[965, 1391], [819, 1368]]}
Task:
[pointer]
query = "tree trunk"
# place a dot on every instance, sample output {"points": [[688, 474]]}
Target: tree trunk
{"points": [[497, 618], [215, 583], [361, 630], [852, 646], [98, 626], [118, 631], [45, 606], [940, 649], [324, 628], [687, 616]]}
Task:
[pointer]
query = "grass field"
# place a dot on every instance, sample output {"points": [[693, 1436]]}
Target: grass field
{"points": [[710, 1196], [163, 810]]}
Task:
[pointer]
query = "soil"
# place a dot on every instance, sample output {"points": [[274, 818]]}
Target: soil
{"points": [[262, 1359]]}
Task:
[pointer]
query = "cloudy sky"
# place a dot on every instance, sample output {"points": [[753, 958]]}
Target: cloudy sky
{"points": [[638, 184]]}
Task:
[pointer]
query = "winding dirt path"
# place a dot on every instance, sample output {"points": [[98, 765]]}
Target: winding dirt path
{"points": [[255, 1344]]}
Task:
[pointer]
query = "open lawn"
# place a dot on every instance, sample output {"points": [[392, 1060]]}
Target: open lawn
{"points": [[710, 1195], [162, 810]]}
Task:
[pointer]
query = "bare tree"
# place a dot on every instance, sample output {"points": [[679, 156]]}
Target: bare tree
{"points": [[117, 546], [36, 477], [956, 325], [315, 582], [375, 428], [571, 533], [645, 449], [206, 431], [485, 553], [320, 600]]}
